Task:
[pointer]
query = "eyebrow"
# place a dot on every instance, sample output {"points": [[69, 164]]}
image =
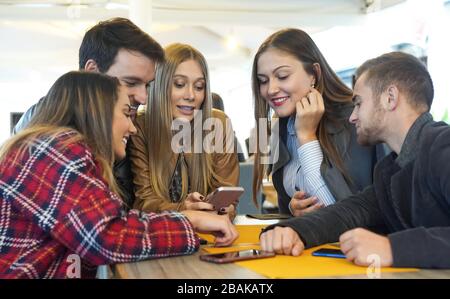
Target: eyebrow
{"points": [[186, 77], [132, 78], [276, 69]]}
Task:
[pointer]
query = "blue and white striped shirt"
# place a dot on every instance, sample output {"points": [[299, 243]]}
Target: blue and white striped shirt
{"points": [[302, 173]]}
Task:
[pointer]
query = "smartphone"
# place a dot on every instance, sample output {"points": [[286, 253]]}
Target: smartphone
{"points": [[222, 197], [268, 216], [336, 253], [234, 256]]}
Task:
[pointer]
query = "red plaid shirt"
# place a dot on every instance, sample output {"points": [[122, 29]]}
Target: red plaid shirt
{"points": [[55, 209]]}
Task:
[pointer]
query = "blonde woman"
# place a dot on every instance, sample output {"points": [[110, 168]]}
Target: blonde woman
{"points": [[58, 196], [171, 175]]}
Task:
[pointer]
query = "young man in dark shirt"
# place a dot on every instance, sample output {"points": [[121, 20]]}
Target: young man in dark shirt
{"points": [[410, 195]]}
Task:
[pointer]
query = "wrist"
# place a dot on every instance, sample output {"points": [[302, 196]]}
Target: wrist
{"points": [[305, 138], [190, 215]]}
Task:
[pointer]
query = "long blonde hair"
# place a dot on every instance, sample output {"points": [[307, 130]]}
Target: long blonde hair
{"points": [[158, 121], [78, 101], [335, 93]]}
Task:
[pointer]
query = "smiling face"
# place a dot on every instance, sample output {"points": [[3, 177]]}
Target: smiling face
{"points": [[188, 90], [122, 126], [367, 115], [134, 71], [282, 81]]}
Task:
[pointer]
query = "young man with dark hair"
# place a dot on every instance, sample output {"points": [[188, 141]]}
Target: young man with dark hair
{"points": [[118, 48], [410, 196]]}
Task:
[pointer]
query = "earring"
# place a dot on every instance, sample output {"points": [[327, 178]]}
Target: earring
{"points": [[312, 85]]}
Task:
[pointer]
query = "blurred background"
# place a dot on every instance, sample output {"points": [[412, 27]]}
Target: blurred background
{"points": [[40, 41]]}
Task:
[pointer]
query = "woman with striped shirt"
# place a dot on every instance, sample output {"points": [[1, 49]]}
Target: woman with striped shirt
{"points": [[318, 159]]}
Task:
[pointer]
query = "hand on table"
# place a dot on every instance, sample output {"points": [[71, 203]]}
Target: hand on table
{"points": [[359, 244], [282, 240]]}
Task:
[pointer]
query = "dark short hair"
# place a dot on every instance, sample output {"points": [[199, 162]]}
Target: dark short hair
{"points": [[217, 101], [407, 72], [102, 42]]}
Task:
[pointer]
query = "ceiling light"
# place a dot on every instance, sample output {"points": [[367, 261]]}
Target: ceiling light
{"points": [[231, 42]]}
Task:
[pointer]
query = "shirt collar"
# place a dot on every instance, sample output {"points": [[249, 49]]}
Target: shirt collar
{"points": [[409, 147]]}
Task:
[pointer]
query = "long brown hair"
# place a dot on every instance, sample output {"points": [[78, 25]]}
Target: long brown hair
{"points": [[334, 92], [79, 101], [158, 121]]}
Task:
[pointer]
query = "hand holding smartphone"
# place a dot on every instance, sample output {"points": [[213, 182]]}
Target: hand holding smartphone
{"points": [[234, 256], [222, 197]]}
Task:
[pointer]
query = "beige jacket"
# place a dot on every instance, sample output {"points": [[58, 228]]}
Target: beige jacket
{"points": [[225, 165]]}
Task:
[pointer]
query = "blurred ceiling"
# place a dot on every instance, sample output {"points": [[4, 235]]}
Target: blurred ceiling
{"points": [[45, 35]]}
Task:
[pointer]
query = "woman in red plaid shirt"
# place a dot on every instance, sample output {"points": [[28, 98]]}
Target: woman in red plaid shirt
{"points": [[60, 212]]}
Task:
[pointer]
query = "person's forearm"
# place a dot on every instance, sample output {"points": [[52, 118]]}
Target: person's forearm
{"points": [[119, 239], [311, 157], [327, 224]]}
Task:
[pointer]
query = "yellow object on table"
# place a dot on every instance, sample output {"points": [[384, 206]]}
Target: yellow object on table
{"points": [[247, 234], [282, 266]]}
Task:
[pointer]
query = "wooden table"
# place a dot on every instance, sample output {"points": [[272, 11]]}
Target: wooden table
{"points": [[183, 267], [191, 267]]}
